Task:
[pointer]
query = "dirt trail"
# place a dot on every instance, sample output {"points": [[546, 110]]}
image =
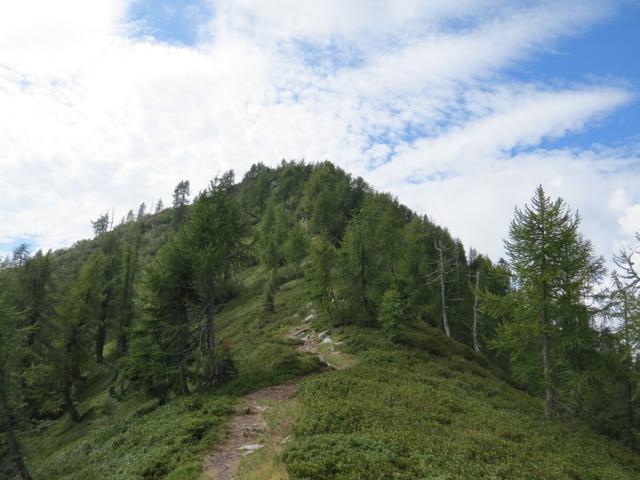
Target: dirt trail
{"points": [[246, 426], [248, 423]]}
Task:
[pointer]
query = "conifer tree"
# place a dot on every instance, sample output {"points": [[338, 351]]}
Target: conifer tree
{"points": [[392, 315], [555, 270], [257, 187], [321, 274], [79, 316], [101, 225], [213, 237], [274, 230], [295, 246], [108, 309], [625, 309], [128, 270], [142, 210], [180, 202], [328, 201], [173, 345], [162, 346], [272, 235], [370, 250], [20, 255], [34, 296], [12, 357], [130, 217]]}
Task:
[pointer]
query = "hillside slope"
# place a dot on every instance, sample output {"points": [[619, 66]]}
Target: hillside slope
{"points": [[429, 408], [135, 437], [119, 374]]}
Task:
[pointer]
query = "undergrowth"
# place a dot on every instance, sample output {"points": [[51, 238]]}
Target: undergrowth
{"points": [[433, 409], [136, 438]]}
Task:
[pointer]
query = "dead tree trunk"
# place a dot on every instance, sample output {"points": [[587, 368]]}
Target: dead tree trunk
{"points": [[443, 292], [629, 388], [476, 342]]}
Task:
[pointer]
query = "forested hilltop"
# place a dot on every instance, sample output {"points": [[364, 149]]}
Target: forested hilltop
{"points": [[125, 355]]}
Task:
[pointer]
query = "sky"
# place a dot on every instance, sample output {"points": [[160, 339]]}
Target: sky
{"points": [[459, 108]]}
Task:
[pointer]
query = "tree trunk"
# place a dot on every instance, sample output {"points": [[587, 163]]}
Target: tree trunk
{"points": [[631, 441], [123, 343], [549, 394], [101, 336], [476, 343], [184, 383], [443, 294], [210, 313], [363, 287], [68, 401], [15, 450]]}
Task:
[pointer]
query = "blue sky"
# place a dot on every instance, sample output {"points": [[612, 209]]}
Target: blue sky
{"points": [[459, 108], [173, 21], [607, 51]]}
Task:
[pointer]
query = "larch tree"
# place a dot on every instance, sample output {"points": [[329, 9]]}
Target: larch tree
{"points": [[392, 314], [127, 274], [109, 306], [180, 202], [101, 225], [554, 269], [296, 245], [173, 345], [625, 306], [80, 314], [321, 274], [20, 255], [142, 211], [370, 250], [12, 357], [162, 342], [213, 239], [34, 295], [328, 200]]}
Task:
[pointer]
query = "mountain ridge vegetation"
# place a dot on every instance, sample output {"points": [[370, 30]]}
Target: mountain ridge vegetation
{"points": [[124, 355]]}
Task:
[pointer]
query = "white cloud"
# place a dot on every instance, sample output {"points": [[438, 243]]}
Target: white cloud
{"points": [[55, 38], [92, 118], [524, 119], [630, 219], [478, 205]]}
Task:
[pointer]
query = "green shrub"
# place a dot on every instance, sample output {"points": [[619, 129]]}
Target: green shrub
{"points": [[349, 457]]}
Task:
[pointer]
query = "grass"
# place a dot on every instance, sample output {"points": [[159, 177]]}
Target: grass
{"points": [[136, 438], [140, 440], [429, 409]]}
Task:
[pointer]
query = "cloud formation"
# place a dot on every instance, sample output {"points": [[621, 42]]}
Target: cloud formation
{"points": [[416, 98]]}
